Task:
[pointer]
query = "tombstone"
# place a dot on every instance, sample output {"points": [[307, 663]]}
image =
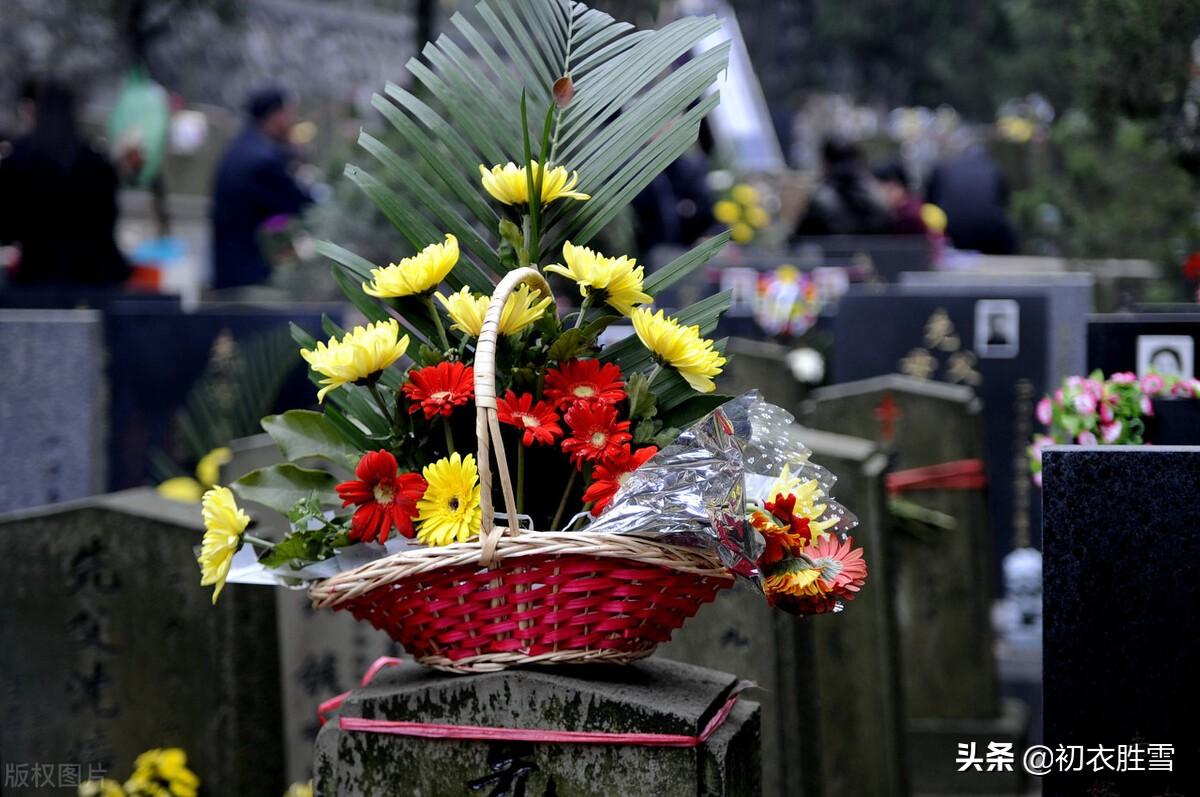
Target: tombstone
{"points": [[653, 696], [1129, 341], [321, 653], [761, 365], [992, 341], [113, 647], [158, 354], [941, 568], [831, 701], [1068, 297], [1121, 591], [52, 407]]}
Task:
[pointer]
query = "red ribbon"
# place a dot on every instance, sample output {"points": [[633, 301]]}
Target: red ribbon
{"points": [[963, 474], [434, 730]]}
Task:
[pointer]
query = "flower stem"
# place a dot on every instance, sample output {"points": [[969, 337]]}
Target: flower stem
{"points": [[437, 322], [654, 374], [373, 386], [257, 541], [520, 478], [583, 308], [562, 504], [449, 436]]}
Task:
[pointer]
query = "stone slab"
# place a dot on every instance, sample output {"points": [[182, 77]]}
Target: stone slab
{"points": [[654, 696]]}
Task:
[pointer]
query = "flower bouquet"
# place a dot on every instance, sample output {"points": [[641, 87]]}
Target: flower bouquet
{"points": [[1092, 410], [530, 484]]}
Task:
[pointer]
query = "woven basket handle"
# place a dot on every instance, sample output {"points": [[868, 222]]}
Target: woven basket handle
{"points": [[487, 423]]}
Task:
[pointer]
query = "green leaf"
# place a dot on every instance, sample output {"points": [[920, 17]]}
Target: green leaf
{"points": [[690, 410], [570, 344], [281, 486], [685, 264], [642, 402], [636, 107], [304, 433]]}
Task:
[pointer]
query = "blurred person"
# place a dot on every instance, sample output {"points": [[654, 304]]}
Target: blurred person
{"points": [[973, 192], [897, 191], [254, 183], [848, 201], [58, 196]]}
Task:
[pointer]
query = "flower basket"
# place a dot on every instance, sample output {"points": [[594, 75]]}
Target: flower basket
{"points": [[516, 596]]}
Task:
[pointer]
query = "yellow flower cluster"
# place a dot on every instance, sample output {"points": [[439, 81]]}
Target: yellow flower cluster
{"points": [[449, 511], [510, 183], [679, 347], [742, 212], [162, 773], [615, 280], [224, 525], [414, 275], [361, 353], [189, 490], [808, 493], [466, 309]]}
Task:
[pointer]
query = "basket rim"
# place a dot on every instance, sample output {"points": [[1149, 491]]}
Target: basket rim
{"points": [[395, 567]]}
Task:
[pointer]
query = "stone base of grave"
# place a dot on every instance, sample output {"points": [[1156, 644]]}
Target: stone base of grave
{"points": [[654, 696], [933, 750]]}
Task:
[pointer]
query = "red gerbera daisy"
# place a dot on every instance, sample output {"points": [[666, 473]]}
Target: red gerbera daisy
{"points": [[785, 533], [596, 434], [610, 475], [385, 498], [438, 389], [539, 420], [590, 380]]}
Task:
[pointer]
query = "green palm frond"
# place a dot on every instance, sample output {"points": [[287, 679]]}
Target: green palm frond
{"points": [[634, 111]]}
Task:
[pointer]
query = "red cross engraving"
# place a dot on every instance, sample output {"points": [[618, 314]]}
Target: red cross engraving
{"points": [[887, 413]]}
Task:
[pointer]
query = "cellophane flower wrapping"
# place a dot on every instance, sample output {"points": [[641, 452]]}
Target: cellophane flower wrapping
{"points": [[695, 492]]}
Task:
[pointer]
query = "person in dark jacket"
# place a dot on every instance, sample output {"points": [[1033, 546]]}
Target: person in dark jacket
{"points": [[58, 197], [848, 201], [974, 194], [905, 205], [253, 183]]}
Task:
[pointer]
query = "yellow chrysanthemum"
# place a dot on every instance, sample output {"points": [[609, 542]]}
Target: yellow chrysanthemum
{"points": [[466, 309], [362, 352], [509, 184], [808, 493], [616, 280], [300, 790], [680, 347], [727, 211], [449, 510], [224, 524], [101, 788], [162, 772], [742, 233], [415, 275], [757, 217], [744, 194], [184, 489]]}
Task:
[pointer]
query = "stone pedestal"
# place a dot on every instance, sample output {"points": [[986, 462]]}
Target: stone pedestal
{"points": [[654, 696], [832, 708], [111, 647]]}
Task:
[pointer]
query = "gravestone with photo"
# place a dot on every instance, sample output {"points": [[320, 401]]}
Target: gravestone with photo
{"points": [[831, 701], [649, 697], [52, 407], [1121, 591], [114, 648], [993, 342], [940, 547], [1166, 343]]}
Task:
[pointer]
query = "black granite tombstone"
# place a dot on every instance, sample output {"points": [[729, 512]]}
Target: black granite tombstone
{"points": [[995, 345], [157, 354], [1121, 591], [1126, 341]]}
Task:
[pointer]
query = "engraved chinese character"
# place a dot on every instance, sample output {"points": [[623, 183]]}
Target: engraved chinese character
{"points": [[961, 368], [940, 332], [918, 364], [89, 568], [88, 689]]}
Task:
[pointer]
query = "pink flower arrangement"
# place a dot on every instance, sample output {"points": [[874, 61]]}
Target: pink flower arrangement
{"points": [[1092, 410]]}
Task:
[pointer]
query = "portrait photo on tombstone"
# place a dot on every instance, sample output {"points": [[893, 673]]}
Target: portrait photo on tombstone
{"points": [[1166, 355], [997, 328]]}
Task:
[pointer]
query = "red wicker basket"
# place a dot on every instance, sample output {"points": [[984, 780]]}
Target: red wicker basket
{"points": [[525, 597]]}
